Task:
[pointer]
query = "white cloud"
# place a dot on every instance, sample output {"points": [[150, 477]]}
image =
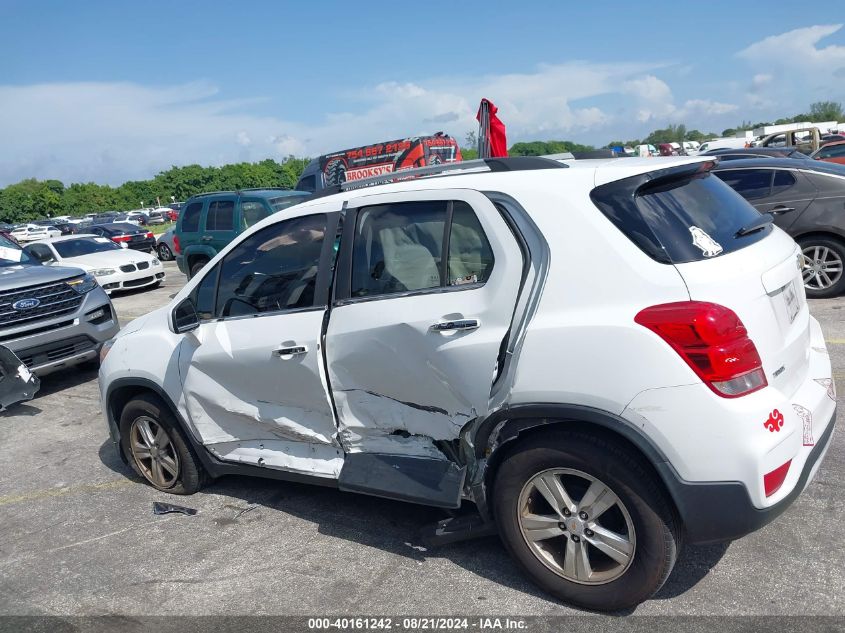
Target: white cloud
{"points": [[798, 49], [286, 145], [760, 80], [648, 88], [705, 107], [655, 102], [792, 70], [652, 96], [112, 132]]}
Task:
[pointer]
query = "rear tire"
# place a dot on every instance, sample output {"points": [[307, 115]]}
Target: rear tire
{"points": [[164, 253], [824, 262], [558, 548], [156, 449], [197, 266]]}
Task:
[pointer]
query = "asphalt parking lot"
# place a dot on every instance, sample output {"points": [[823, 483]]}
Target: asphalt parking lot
{"points": [[78, 536]]}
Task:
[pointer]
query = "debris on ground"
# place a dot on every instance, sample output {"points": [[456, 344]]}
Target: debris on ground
{"points": [[167, 508]]}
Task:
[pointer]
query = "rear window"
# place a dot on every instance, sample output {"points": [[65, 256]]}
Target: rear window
{"points": [[283, 202], [677, 218], [308, 183], [125, 228]]}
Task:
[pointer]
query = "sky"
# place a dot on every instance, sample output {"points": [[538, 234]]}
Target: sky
{"points": [[108, 91]]}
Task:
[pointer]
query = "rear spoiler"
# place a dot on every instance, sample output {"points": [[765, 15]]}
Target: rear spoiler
{"points": [[655, 179]]}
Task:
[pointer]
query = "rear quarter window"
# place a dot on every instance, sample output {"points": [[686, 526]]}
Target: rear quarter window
{"points": [[283, 202], [677, 218], [191, 217]]}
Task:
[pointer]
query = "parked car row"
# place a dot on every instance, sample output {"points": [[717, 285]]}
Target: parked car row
{"points": [[51, 317], [113, 267], [806, 199]]}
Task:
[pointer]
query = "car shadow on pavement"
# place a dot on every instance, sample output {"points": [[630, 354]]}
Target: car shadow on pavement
{"points": [[694, 563], [110, 458], [20, 408], [395, 527], [60, 380], [390, 526]]}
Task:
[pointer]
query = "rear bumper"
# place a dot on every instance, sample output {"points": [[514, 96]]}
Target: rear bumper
{"points": [[723, 511], [146, 245]]}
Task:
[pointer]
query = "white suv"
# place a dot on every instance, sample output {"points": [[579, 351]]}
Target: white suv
{"points": [[605, 357]]}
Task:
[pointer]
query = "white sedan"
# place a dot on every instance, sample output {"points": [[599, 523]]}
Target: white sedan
{"points": [[31, 232], [115, 268]]}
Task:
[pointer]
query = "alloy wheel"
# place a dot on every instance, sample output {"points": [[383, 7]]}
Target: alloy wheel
{"points": [[576, 526], [153, 452], [822, 267]]}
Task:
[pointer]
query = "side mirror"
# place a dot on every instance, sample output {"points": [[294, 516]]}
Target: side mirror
{"points": [[184, 317]]}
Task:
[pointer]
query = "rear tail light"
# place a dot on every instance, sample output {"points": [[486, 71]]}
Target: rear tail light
{"points": [[176, 247], [774, 480], [149, 235], [121, 238], [713, 342]]}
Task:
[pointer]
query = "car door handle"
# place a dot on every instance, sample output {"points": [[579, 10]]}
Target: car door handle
{"points": [[458, 324], [206, 238], [296, 350], [782, 209]]}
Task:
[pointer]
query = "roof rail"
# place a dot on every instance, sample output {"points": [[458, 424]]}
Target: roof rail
{"points": [[210, 193], [512, 163], [238, 191], [266, 189], [560, 156]]}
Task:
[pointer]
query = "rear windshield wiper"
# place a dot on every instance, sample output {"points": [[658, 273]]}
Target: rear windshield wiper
{"points": [[757, 225]]}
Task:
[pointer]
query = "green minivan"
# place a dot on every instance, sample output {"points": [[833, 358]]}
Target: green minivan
{"points": [[209, 221]]}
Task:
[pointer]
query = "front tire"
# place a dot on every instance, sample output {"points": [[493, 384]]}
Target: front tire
{"points": [[824, 260], [586, 520], [156, 448]]}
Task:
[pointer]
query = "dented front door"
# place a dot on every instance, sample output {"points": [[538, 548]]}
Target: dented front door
{"points": [[416, 330], [252, 372]]}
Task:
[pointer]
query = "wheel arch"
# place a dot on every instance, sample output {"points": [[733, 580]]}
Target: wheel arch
{"points": [[827, 233], [122, 391], [501, 434], [193, 254]]}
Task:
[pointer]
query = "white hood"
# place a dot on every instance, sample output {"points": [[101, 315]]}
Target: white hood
{"points": [[108, 259]]}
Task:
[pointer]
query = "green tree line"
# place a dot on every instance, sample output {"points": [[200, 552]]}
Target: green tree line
{"points": [[32, 199]]}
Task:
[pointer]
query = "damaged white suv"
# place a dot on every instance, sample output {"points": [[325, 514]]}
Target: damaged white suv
{"points": [[606, 358]]}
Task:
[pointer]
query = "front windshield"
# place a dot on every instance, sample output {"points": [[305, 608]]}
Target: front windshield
{"points": [[11, 254], [84, 246]]}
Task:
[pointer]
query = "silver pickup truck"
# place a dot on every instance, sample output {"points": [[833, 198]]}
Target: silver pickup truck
{"points": [[51, 317]]}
